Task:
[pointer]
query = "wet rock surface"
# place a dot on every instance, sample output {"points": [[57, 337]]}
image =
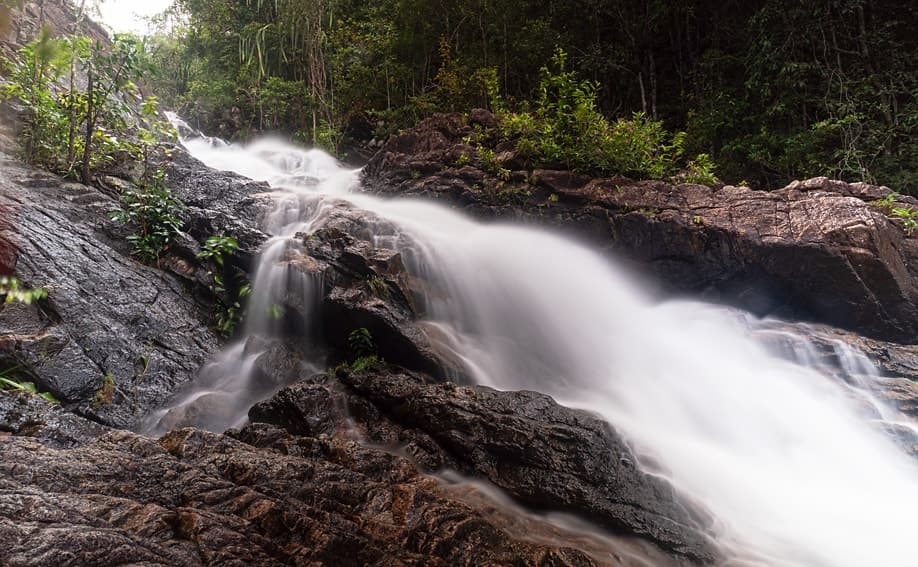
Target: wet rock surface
{"points": [[545, 456], [259, 496], [106, 314], [219, 203], [816, 249], [365, 285], [28, 17]]}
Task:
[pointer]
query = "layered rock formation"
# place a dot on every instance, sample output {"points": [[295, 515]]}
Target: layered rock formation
{"points": [[336, 468], [202, 498], [546, 456]]}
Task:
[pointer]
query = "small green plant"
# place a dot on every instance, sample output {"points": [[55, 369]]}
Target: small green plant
{"points": [[12, 291], [360, 342], [887, 202], [216, 249], [365, 363], [553, 198], [154, 212], [145, 365], [8, 383], [697, 220], [228, 318], [908, 216], [701, 171], [491, 163], [378, 286], [415, 174], [106, 393], [463, 160]]}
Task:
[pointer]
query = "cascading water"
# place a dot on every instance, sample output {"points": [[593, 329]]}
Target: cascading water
{"points": [[740, 415]]}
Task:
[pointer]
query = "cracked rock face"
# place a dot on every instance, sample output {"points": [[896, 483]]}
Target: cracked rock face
{"points": [[816, 249], [76, 493]]}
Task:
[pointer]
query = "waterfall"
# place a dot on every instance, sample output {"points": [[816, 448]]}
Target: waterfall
{"points": [[741, 415]]}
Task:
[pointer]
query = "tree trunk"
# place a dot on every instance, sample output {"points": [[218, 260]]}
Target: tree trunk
{"points": [[90, 126], [71, 136]]}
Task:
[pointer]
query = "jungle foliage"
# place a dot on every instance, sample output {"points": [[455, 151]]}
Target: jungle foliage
{"points": [[769, 90]]}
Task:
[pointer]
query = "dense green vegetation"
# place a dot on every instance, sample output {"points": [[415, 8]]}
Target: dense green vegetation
{"points": [[85, 116], [769, 90], [79, 130]]}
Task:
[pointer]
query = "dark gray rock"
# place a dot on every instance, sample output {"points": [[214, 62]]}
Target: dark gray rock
{"points": [[105, 315], [219, 202], [366, 286]]}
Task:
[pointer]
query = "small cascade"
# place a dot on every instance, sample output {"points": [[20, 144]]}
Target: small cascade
{"points": [[246, 371]]}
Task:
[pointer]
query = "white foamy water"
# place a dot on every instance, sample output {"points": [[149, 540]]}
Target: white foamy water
{"points": [[740, 416]]}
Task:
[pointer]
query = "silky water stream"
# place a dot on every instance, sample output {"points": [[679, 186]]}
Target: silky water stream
{"points": [[744, 416]]}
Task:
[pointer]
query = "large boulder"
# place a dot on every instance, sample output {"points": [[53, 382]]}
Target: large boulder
{"points": [[363, 285], [818, 249], [26, 19], [544, 455], [219, 203]]}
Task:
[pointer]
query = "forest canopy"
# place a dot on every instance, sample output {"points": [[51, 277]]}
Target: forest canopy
{"points": [[771, 90]]}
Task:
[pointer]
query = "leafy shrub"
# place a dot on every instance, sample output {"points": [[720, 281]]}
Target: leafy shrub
{"points": [[887, 202], [909, 218], [905, 213], [360, 342], [566, 128], [231, 297], [77, 131], [216, 247], [154, 212], [700, 170], [491, 163], [12, 291], [458, 88]]}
